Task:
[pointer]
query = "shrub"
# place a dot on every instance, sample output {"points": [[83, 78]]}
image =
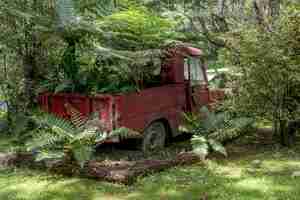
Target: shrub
{"points": [[75, 140], [210, 130], [268, 64]]}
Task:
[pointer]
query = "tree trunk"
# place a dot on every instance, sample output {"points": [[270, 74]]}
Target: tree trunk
{"points": [[266, 12], [259, 7], [291, 131], [275, 8], [242, 9], [127, 172], [221, 8], [30, 53], [282, 131], [28, 68]]}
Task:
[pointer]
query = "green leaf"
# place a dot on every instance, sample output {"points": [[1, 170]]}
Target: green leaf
{"points": [[44, 155], [82, 153], [86, 135], [56, 133], [44, 139], [58, 125], [200, 146], [217, 147], [201, 150], [198, 140], [63, 87]]}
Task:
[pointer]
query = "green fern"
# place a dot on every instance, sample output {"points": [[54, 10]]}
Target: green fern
{"points": [[56, 134], [46, 155], [211, 129]]}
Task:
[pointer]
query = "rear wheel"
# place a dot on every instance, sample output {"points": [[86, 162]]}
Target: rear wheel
{"points": [[154, 137]]}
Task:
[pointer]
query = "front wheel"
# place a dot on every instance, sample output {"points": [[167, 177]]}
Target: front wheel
{"points": [[154, 137]]}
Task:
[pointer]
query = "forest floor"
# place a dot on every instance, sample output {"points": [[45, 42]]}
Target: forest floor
{"points": [[257, 168]]}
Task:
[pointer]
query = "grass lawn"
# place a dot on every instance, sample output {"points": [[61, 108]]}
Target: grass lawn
{"points": [[231, 178]]}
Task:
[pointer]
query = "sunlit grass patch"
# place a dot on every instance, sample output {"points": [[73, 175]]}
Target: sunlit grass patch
{"points": [[233, 178]]}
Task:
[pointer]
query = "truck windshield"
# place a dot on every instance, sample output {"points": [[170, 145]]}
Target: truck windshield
{"points": [[196, 71]]}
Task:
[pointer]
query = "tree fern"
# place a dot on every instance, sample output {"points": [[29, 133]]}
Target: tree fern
{"points": [[77, 118]]}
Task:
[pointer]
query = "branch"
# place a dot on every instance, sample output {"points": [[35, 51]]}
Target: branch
{"points": [[204, 31]]}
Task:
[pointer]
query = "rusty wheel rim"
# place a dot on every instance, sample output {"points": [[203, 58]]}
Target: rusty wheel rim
{"points": [[154, 137]]}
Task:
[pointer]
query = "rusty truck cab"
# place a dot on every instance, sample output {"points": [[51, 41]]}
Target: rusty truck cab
{"points": [[185, 65]]}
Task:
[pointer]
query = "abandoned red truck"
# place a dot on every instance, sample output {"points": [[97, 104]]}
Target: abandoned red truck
{"points": [[156, 112]]}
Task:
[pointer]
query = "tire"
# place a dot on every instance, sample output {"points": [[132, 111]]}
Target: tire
{"points": [[154, 137]]}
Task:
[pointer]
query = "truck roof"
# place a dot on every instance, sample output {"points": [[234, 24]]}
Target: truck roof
{"points": [[194, 51]]}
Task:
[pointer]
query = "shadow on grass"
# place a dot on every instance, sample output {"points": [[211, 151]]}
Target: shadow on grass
{"points": [[191, 183], [197, 183], [221, 179], [231, 178]]}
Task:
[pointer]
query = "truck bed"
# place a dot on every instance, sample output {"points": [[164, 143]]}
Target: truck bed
{"points": [[132, 110]]}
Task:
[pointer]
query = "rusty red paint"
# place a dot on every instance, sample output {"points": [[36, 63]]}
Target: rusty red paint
{"points": [[57, 104], [139, 109], [194, 51]]}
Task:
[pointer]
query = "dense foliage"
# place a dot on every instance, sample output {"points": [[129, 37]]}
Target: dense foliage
{"points": [[267, 62], [136, 29]]}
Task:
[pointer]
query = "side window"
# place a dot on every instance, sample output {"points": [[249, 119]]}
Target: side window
{"points": [[196, 73]]}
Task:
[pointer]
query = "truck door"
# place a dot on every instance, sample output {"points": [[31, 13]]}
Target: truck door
{"points": [[197, 87]]}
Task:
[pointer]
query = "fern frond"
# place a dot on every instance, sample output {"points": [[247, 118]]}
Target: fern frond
{"points": [[213, 129], [217, 147], [87, 136], [234, 129], [43, 139], [200, 146], [58, 133], [124, 133], [58, 125], [77, 118], [48, 155], [191, 121]]}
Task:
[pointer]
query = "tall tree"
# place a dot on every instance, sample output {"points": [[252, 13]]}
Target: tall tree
{"points": [[267, 62], [20, 36]]}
